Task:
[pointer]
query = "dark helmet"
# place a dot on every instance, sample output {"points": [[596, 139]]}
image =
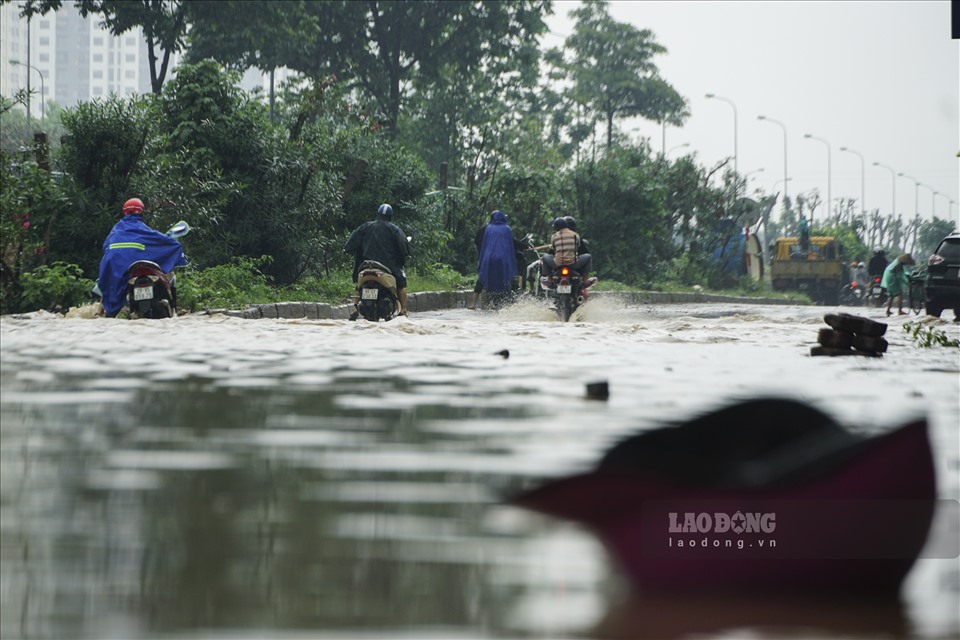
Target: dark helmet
{"points": [[559, 223], [385, 211], [132, 206], [571, 223]]}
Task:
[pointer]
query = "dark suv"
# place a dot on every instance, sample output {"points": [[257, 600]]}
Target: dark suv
{"points": [[943, 277]]}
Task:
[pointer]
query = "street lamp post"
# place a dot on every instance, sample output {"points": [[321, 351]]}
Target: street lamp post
{"points": [[784, 127], [42, 89], [863, 197], [933, 194], [945, 197], [730, 102], [829, 194], [893, 181], [679, 146], [916, 192]]}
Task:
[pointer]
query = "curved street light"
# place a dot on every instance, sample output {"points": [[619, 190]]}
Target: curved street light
{"points": [[893, 181], [933, 194], [679, 146], [829, 181], [43, 91], [784, 127], [784, 181], [945, 197], [916, 192], [863, 197], [713, 96]]}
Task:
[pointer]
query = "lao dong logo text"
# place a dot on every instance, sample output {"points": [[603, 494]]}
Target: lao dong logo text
{"points": [[711, 524]]}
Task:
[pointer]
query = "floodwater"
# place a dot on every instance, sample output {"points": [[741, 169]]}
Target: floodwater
{"points": [[212, 477]]}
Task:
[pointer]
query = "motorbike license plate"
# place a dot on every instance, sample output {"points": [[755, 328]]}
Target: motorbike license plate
{"points": [[564, 288], [143, 293], [369, 294]]}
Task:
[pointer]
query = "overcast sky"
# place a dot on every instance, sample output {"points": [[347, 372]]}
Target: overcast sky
{"points": [[879, 78]]}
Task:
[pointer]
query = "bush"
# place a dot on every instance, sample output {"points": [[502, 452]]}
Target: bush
{"points": [[55, 287], [232, 286]]}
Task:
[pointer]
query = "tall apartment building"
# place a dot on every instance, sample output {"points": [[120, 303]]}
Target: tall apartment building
{"points": [[79, 60], [76, 58]]}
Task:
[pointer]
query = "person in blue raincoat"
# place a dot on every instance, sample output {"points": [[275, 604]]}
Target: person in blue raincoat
{"points": [[497, 266], [131, 240]]}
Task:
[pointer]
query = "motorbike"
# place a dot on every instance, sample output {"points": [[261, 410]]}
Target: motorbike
{"points": [[378, 292], [852, 294], [566, 290], [151, 293], [875, 295], [531, 256]]}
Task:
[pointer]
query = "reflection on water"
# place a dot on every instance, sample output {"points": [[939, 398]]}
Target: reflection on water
{"points": [[338, 478]]}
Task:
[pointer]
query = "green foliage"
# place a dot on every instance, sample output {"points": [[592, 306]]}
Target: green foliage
{"points": [[437, 277], [927, 336], [929, 235], [613, 70], [232, 285], [30, 203], [619, 206], [54, 287]]}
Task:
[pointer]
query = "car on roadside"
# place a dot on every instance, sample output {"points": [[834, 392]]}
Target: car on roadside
{"points": [[943, 277]]}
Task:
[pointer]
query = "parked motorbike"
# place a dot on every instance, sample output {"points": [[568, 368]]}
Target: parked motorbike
{"points": [[531, 275], [378, 292], [853, 294], [566, 290]]}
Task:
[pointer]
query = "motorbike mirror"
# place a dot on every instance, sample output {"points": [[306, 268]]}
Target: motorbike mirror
{"points": [[179, 230]]}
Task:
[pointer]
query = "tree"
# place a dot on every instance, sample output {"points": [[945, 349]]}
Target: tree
{"points": [[164, 24], [613, 72]]}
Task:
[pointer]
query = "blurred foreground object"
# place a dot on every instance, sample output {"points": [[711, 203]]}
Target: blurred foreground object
{"points": [[765, 495]]}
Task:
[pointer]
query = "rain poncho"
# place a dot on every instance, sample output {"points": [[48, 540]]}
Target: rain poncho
{"points": [[895, 278], [131, 240], [498, 259], [379, 240]]}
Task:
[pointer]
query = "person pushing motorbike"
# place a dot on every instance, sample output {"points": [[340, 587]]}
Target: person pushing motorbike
{"points": [[130, 240], [384, 242]]}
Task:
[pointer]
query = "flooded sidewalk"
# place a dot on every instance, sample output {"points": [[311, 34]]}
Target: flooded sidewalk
{"points": [[213, 476]]}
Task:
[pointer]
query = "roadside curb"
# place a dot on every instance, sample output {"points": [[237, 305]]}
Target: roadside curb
{"points": [[438, 300]]}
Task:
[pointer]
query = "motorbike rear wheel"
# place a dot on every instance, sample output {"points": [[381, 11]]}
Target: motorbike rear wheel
{"points": [[565, 306]]}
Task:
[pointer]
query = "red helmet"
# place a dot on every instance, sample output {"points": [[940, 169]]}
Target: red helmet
{"points": [[133, 205]]}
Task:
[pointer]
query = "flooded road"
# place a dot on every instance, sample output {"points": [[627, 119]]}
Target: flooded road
{"points": [[212, 477]]}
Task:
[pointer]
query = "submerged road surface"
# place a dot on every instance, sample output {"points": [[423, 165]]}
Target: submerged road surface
{"points": [[212, 477]]}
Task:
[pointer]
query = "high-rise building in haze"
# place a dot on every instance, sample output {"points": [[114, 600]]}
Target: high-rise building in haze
{"points": [[71, 58]]}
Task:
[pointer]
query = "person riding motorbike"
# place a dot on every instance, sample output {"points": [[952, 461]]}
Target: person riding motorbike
{"points": [[858, 274], [130, 240], [584, 257], [878, 263], [380, 240], [564, 245]]}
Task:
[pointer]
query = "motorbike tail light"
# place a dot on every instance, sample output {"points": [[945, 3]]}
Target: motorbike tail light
{"points": [[934, 259], [564, 271], [854, 285], [876, 279]]}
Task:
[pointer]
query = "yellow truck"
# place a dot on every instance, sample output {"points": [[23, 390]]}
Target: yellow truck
{"points": [[817, 271]]}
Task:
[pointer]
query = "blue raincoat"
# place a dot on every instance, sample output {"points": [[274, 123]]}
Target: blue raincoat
{"points": [[498, 259], [131, 240]]}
